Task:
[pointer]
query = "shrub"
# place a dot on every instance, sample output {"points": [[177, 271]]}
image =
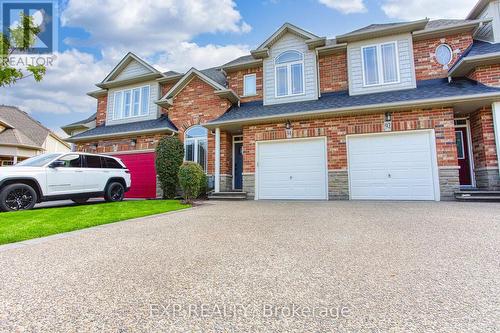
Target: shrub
{"points": [[169, 156], [191, 176], [203, 186]]}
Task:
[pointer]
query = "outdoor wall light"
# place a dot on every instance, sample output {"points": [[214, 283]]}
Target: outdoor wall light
{"points": [[388, 116], [133, 142], [288, 129]]}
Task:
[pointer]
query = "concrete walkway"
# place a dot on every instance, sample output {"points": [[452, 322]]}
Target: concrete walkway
{"points": [[265, 267]]}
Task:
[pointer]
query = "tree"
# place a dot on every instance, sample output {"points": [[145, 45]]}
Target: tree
{"points": [[169, 157], [22, 38], [191, 176]]}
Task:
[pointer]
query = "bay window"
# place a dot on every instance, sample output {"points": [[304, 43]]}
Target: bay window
{"points": [[289, 74], [380, 64], [196, 145], [131, 103]]}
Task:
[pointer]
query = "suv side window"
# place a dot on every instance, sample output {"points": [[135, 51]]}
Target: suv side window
{"points": [[111, 163], [72, 161], [93, 161]]}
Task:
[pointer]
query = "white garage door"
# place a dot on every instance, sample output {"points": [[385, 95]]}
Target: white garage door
{"points": [[398, 166], [292, 169]]}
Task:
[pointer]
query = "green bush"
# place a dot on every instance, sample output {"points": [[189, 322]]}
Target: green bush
{"points": [[191, 176], [203, 186], [169, 157]]}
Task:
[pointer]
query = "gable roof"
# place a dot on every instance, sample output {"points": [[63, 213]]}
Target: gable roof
{"points": [[24, 129], [109, 80], [311, 39], [129, 57], [215, 77], [478, 8], [428, 92], [286, 28]]}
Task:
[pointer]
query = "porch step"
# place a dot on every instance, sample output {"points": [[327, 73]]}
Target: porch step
{"points": [[477, 195], [227, 196]]}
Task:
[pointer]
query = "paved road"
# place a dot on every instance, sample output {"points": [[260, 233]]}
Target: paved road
{"points": [[239, 267]]}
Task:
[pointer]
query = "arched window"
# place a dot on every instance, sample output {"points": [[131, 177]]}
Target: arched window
{"points": [[289, 73], [195, 145]]}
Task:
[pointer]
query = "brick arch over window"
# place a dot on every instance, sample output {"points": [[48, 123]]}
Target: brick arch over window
{"points": [[196, 104]]}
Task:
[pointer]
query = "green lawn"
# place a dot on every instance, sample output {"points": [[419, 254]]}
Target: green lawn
{"points": [[19, 226]]}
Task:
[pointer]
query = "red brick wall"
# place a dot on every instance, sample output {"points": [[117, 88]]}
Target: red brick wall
{"points": [[102, 104], [336, 129], [426, 66], [122, 144], [235, 80], [488, 75], [333, 72], [483, 138], [197, 104]]}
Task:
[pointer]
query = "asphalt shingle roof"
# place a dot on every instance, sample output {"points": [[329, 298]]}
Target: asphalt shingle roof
{"points": [[482, 48], [160, 123], [26, 131], [240, 60], [84, 121], [216, 74], [433, 24], [428, 89]]}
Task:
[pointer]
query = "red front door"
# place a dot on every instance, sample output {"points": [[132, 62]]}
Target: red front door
{"points": [[461, 136], [143, 174]]}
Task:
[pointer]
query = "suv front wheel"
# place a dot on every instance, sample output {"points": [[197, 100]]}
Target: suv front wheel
{"points": [[114, 192], [16, 197]]}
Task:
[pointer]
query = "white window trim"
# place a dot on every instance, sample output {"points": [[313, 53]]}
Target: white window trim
{"points": [[288, 66], [451, 54], [195, 142], [380, 69], [244, 80], [120, 115]]}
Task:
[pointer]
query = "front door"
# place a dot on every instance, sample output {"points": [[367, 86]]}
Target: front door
{"points": [[461, 136], [238, 165]]}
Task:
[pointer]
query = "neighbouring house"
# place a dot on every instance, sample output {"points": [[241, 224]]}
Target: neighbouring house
{"points": [[22, 137], [401, 111]]}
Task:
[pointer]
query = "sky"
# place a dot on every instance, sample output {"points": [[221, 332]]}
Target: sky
{"points": [[94, 35]]}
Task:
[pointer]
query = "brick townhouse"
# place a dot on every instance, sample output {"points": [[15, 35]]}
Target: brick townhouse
{"points": [[400, 111]]}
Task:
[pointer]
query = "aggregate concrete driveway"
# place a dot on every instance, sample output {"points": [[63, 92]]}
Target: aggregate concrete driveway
{"points": [[265, 267]]}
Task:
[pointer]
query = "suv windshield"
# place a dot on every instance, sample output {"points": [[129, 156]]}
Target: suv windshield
{"points": [[38, 161]]}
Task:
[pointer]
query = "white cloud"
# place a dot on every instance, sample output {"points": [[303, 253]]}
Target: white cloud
{"points": [[188, 55], [159, 31], [345, 6], [63, 90], [150, 26], [419, 9]]}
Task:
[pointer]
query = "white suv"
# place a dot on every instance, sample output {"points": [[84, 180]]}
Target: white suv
{"points": [[74, 176]]}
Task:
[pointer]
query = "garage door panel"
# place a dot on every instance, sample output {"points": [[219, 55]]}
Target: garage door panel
{"points": [[142, 173], [391, 167], [294, 169]]}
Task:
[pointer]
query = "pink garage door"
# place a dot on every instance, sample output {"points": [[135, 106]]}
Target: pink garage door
{"points": [[143, 173]]}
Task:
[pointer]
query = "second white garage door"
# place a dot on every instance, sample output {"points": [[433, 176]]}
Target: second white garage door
{"points": [[397, 166], [292, 169]]}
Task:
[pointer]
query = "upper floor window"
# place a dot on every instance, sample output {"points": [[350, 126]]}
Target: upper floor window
{"points": [[131, 103], [250, 85], [380, 64], [196, 145], [444, 54], [289, 74]]}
